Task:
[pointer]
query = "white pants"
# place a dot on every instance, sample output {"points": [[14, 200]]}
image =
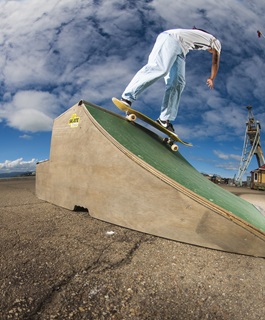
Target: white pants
{"points": [[165, 60]]}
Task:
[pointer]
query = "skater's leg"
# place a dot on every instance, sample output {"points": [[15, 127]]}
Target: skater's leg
{"points": [[175, 83], [159, 63]]}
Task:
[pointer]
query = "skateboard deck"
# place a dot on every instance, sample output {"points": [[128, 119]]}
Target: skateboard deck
{"points": [[132, 116]]}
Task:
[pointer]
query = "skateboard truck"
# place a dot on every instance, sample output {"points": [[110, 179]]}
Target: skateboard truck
{"points": [[132, 117], [170, 142]]}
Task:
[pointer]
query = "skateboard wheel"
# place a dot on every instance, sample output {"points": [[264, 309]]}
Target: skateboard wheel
{"points": [[174, 147], [131, 117]]}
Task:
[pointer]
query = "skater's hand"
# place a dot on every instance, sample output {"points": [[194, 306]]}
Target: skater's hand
{"points": [[209, 83]]}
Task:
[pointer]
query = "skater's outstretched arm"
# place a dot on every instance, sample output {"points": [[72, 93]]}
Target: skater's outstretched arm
{"points": [[214, 69]]}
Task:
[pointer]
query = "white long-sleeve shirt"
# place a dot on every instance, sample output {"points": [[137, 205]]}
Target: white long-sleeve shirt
{"points": [[194, 39]]}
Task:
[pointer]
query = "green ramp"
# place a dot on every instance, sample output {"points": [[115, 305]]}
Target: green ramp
{"points": [[123, 173], [146, 145]]}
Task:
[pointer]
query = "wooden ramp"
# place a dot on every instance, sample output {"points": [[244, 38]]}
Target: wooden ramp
{"points": [[123, 174]]}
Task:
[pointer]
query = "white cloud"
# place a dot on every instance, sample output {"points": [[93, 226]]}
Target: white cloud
{"points": [[224, 156], [18, 165], [31, 111], [230, 166], [68, 50], [25, 136]]}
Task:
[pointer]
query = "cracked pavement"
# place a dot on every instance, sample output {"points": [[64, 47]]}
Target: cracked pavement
{"points": [[60, 264]]}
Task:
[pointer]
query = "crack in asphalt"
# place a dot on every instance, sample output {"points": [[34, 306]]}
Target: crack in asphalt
{"points": [[94, 267]]}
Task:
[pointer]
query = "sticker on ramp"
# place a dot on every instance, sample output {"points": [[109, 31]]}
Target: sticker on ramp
{"points": [[74, 121]]}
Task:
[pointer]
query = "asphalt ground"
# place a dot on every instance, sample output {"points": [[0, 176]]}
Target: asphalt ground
{"points": [[60, 264]]}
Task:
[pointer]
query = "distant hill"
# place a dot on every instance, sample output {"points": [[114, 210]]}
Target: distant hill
{"points": [[17, 174]]}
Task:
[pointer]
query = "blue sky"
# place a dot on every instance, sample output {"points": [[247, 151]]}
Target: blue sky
{"points": [[56, 52]]}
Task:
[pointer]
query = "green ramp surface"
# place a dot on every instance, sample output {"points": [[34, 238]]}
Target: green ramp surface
{"points": [[148, 146]]}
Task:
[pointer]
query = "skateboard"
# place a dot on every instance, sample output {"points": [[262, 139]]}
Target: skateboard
{"points": [[132, 115]]}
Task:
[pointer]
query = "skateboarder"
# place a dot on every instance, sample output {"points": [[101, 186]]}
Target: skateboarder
{"points": [[167, 59]]}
